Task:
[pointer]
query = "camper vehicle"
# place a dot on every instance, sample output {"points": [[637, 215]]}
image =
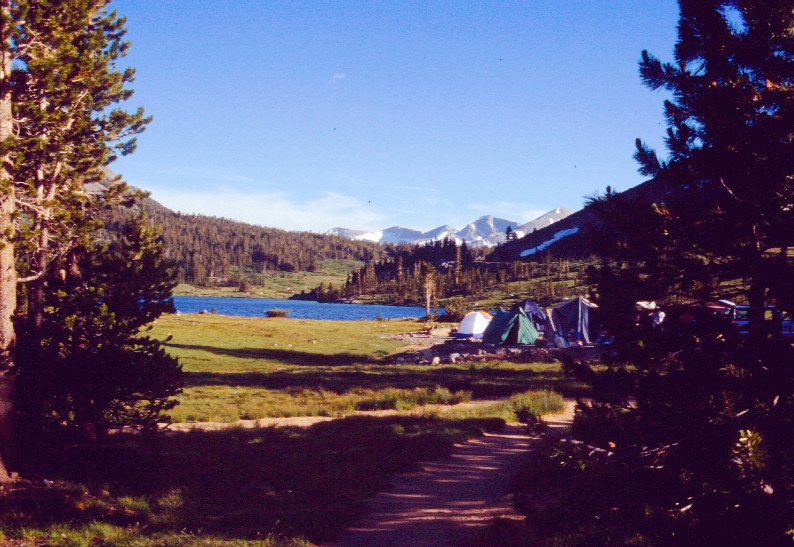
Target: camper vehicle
{"points": [[740, 317]]}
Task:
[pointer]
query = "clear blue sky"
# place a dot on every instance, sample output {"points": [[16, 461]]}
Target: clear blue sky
{"points": [[365, 114]]}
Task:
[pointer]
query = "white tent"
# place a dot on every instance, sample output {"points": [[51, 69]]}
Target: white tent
{"points": [[474, 324]]}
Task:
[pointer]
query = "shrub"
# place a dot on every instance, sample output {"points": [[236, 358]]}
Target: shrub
{"points": [[277, 313], [454, 310]]}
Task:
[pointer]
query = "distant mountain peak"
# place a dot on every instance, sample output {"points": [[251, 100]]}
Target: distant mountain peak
{"points": [[486, 231]]}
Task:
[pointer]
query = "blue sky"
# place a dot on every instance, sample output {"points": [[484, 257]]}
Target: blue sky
{"points": [[370, 114]]}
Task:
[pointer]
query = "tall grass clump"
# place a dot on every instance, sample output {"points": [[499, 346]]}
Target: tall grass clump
{"points": [[406, 399], [527, 407], [277, 313], [524, 407]]}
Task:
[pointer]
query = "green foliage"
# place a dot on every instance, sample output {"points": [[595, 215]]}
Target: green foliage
{"points": [[216, 252], [67, 88], [87, 368], [405, 277], [702, 418], [455, 309], [529, 406]]}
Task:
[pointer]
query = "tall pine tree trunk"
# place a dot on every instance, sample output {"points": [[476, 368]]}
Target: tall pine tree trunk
{"points": [[8, 276]]}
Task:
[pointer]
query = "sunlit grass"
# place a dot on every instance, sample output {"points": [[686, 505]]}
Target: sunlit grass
{"points": [[281, 284], [513, 409], [251, 368]]}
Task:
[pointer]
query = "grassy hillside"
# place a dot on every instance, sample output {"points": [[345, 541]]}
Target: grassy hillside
{"points": [[280, 284]]}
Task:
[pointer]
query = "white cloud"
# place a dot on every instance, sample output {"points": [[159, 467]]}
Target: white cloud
{"points": [[337, 76], [277, 209]]}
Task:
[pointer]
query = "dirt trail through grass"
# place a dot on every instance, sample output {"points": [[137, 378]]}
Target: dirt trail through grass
{"points": [[447, 502]]}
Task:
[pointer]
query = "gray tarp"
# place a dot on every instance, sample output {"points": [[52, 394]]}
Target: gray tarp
{"points": [[570, 319]]}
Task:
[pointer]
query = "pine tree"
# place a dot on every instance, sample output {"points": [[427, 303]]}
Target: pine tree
{"points": [[58, 127], [89, 369], [428, 273], [716, 410], [8, 274], [731, 167], [66, 87]]}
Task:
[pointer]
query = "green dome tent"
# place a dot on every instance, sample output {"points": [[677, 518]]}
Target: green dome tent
{"points": [[510, 327]]}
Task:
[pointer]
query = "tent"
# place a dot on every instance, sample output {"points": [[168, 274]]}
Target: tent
{"points": [[510, 327], [570, 320], [535, 314], [474, 324]]}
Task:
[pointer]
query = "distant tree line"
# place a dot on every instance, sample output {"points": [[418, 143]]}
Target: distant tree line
{"points": [[209, 250], [443, 269]]}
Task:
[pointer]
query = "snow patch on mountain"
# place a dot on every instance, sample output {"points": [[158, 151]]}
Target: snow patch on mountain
{"points": [[546, 244]]}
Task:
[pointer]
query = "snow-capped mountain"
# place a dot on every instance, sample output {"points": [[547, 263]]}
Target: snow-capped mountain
{"points": [[437, 234], [395, 234], [545, 220], [486, 231]]}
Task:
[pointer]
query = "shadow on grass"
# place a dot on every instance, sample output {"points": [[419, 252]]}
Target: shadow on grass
{"points": [[292, 482], [484, 383], [291, 357]]}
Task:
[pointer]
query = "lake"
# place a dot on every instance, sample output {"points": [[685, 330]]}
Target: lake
{"points": [[298, 309]]}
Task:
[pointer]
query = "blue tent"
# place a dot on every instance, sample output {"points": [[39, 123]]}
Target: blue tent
{"points": [[571, 320]]}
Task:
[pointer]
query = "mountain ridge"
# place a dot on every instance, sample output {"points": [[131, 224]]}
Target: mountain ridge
{"points": [[486, 231]]}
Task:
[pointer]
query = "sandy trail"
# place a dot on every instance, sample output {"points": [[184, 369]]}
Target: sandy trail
{"points": [[447, 502]]}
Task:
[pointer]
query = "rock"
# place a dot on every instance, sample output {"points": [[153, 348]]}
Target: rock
{"points": [[453, 357], [426, 353], [436, 360]]}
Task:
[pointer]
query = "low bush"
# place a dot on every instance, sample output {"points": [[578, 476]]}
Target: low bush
{"points": [[277, 313]]}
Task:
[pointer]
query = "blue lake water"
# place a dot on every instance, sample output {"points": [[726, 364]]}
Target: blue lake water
{"points": [[298, 309]]}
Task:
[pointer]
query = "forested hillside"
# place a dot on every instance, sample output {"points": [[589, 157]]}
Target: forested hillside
{"points": [[414, 274], [210, 250]]}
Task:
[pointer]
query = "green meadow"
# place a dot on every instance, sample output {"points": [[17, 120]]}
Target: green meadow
{"points": [[250, 368], [273, 486]]}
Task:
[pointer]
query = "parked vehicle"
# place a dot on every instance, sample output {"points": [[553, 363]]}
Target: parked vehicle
{"points": [[778, 321]]}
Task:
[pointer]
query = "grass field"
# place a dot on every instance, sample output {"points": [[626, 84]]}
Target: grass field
{"points": [[270, 486], [281, 284], [249, 368]]}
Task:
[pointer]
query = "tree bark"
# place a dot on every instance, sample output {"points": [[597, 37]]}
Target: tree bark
{"points": [[8, 274]]}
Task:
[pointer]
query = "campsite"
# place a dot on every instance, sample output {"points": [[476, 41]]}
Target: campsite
{"points": [[294, 484], [620, 374]]}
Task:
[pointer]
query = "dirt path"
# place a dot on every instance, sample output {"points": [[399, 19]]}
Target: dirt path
{"points": [[447, 502]]}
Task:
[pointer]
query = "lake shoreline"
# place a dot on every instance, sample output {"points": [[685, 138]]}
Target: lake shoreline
{"points": [[238, 306]]}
